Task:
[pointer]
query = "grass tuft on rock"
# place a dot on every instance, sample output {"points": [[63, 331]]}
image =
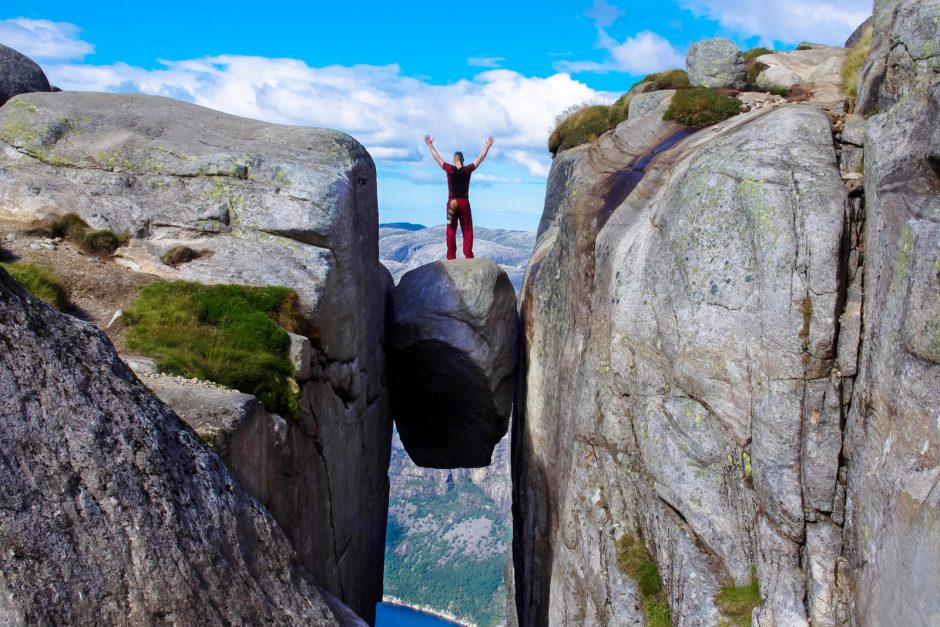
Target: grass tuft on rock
{"points": [[701, 106], [72, 228], [854, 59], [41, 282], [585, 123], [753, 53], [670, 79], [635, 562], [736, 603], [230, 334], [69, 226], [178, 255], [103, 241]]}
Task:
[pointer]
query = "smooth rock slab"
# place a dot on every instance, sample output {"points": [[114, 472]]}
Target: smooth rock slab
{"points": [[452, 361], [19, 75]]}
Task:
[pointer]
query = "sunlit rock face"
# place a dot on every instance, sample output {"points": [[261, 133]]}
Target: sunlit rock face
{"points": [[267, 204], [452, 361]]}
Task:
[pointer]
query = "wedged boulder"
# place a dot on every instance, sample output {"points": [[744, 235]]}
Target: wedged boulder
{"points": [[111, 510], [452, 361], [19, 75], [270, 205], [716, 62]]}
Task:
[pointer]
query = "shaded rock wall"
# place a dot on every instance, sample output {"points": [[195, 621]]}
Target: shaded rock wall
{"points": [[686, 374], [893, 452], [112, 511], [270, 204]]}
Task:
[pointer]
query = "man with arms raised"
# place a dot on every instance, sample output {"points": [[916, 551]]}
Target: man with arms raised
{"points": [[458, 202]]}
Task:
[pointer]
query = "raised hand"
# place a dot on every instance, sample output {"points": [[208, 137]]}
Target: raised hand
{"points": [[428, 140], [489, 141]]}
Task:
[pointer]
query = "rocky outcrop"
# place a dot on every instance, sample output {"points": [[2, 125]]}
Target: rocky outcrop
{"points": [[687, 375], [731, 394], [19, 75], [452, 361], [893, 451], [111, 510], [716, 62], [904, 58], [817, 69], [269, 204]]}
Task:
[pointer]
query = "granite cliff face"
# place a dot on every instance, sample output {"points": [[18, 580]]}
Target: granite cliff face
{"points": [[702, 309], [111, 510], [267, 204], [893, 430]]}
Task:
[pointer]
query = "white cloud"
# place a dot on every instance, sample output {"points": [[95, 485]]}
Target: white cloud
{"points": [[43, 40], [826, 22], [642, 54], [603, 14], [385, 110], [493, 62]]}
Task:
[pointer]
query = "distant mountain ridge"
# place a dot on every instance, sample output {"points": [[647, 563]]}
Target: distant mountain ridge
{"points": [[402, 248]]}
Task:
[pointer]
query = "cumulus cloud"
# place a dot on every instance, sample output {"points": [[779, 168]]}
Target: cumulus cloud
{"points": [[493, 62], [43, 40], [384, 109], [644, 53], [826, 21]]}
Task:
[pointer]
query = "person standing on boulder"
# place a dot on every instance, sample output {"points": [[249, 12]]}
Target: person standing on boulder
{"points": [[458, 202]]}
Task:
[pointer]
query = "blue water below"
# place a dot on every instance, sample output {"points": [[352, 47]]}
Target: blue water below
{"points": [[388, 615]]}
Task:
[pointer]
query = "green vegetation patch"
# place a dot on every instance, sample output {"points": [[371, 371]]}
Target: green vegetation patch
{"points": [[753, 53], [95, 241], [635, 562], [41, 282], [179, 255], [736, 603], [854, 58], [701, 106], [231, 334], [103, 241], [670, 79], [422, 569], [585, 123]]}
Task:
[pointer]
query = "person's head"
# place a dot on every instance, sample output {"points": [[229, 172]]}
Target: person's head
{"points": [[458, 159]]}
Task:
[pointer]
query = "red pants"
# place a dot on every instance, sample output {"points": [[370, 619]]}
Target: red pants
{"points": [[466, 228]]}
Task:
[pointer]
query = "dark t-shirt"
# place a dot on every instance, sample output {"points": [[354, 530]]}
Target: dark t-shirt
{"points": [[458, 180]]}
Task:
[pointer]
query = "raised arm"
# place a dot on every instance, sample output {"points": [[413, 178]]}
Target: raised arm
{"points": [[486, 149], [430, 142]]}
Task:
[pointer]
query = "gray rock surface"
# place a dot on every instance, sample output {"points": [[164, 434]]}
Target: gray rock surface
{"points": [[272, 205], [716, 62], [904, 57], [820, 66], [452, 361], [19, 75], [893, 452], [111, 511], [858, 33], [642, 104], [682, 378]]}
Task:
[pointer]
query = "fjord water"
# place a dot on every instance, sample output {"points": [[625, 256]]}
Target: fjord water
{"points": [[390, 615]]}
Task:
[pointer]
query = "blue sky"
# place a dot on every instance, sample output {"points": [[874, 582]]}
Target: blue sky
{"points": [[386, 73]]}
